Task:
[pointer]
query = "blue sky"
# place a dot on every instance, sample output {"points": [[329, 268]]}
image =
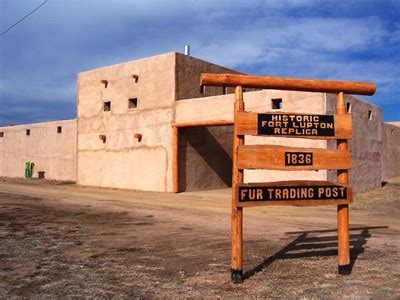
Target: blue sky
{"points": [[40, 57]]}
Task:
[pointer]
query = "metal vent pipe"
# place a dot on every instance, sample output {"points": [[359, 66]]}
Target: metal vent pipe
{"points": [[187, 49]]}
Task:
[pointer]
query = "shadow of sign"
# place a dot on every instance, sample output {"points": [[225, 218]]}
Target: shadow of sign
{"points": [[305, 245]]}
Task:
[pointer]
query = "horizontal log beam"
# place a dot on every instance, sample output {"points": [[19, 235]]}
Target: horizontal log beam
{"points": [[290, 84], [203, 123]]}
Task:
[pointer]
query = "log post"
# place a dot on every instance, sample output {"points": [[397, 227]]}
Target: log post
{"points": [[343, 209], [175, 159], [237, 212]]}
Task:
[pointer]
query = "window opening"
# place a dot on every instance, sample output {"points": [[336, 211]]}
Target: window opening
{"points": [[107, 106], [276, 103], [132, 103], [348, 107]]}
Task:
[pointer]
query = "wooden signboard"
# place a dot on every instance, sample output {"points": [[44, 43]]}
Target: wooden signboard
{"points": [[290, 125], [299, 193], [294, 125], [291, 159]]}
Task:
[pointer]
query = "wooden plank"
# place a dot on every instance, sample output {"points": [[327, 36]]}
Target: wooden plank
{"points": [[295, 193], [291, 158], [203, 123], [290, 84], [295, 125]]}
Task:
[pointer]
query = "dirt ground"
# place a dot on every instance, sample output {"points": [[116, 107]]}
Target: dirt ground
{"points": [[60, 240]]}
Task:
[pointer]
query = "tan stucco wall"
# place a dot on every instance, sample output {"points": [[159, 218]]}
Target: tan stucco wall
{"points": [[188, 70], [365, 145], [52, 152], [221, 108], [390, 151], [122, 161]]}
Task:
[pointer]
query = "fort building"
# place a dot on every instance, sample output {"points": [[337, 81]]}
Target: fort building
{"points": [[123, 134]]}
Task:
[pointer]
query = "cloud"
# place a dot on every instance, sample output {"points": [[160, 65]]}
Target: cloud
{"points": [[39, 58]]}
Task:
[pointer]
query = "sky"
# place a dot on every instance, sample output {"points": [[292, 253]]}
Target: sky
{"points": [[343, 40]]}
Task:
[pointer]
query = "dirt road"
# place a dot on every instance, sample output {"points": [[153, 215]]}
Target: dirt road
{"points": [[63, 240]]}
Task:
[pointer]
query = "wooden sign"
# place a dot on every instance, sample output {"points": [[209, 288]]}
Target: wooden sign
{"points": [[291, 158], [299, 193], [294, 125]]}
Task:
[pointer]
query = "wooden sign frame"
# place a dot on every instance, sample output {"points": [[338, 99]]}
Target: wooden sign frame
{"points": [[274, 157], [248, 123], [295, 193]]}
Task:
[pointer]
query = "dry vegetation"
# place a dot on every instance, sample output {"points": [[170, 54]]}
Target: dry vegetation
{"points": [[60, 240]]}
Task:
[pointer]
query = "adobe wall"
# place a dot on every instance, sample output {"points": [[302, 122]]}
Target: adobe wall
{"points": [[221, 108], [123, 161], [188, 70], [365, 145], [390, 150], [52, 152]]}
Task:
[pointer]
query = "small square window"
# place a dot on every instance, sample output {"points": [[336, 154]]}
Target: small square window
{"points": [[276, 103], [348, 107], [370, 115], [132, 103], [28, 132], [2, 133], [107, 106], [59, 129]]}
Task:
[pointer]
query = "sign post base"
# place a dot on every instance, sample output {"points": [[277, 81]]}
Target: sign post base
{"points": [[237, 276], [344, 270]]}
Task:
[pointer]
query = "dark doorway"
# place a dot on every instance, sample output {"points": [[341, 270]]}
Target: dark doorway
{"points": [[205, 157]]}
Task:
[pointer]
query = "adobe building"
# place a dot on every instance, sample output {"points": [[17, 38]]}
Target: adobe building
{"points": [[123, 134]]}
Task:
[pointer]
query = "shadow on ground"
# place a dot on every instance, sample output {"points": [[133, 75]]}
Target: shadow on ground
{"points": [[305, 245]]}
